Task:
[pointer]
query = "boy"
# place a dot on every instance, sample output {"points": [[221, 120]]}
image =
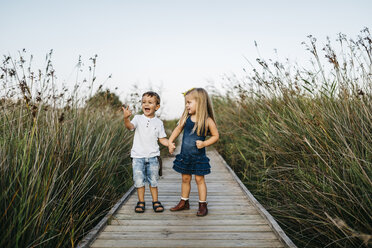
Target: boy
{"points": [[148, 130]]}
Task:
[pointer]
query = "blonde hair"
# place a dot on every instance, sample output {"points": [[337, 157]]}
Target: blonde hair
{"points": [[204, 109]]}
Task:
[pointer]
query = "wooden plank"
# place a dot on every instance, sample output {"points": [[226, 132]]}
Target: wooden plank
{"points": [[100, 243], [222, 202], [210, 198], [184, 229], [188, 236], [190, 212], [195, 193], [172, 216], [210, 206], [194, 200], [188, 222]]}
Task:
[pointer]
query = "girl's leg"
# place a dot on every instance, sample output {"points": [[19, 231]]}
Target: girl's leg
{"points": [[185, 192], [185, 187], [202, 188]]}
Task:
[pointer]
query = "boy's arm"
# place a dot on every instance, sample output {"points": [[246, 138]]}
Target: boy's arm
{"points": [[214, 135], [127, 113], [164, 141], [162, 136], [128, 124]]}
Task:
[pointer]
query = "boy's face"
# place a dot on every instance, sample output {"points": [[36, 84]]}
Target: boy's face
{"points": [[149, 106]]}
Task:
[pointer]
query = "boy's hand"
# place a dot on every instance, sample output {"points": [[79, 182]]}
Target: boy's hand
{"points": [[200, 144], [126, 111], [171, 147]]}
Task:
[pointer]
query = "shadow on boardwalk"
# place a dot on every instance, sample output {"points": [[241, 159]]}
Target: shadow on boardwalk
{"points": [[235, 218]]}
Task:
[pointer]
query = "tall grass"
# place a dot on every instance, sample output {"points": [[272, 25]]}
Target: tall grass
{"points": [[62, 164], [301, 140]]}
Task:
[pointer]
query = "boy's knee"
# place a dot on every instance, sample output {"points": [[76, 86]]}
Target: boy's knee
{"points": [[139, 182], [138, 179], [153, 173], [153, 181]]}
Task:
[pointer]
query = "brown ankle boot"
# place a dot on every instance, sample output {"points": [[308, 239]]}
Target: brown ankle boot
{"points": [[182, 205], [203, 210]]}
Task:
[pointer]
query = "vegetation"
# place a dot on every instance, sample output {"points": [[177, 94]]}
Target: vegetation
{"points": [[301, 141], [104, 99], [63, 164]]}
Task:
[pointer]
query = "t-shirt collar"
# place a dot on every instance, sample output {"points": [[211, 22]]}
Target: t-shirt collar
{"points": [[148, 117]]}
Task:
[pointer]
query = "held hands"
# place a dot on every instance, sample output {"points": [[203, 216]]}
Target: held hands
{"points": [[200, 144], [126, 111], [171, 147]]}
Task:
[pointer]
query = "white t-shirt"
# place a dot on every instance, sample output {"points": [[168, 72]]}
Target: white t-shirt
{"points": [[146, 135]]}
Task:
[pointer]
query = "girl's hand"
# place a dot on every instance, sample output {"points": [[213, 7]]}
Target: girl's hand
{"points": [[200, 144], [171, 148], [127, 112]]}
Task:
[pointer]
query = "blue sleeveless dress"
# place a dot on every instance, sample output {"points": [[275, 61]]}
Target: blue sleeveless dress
{"points": [[191, 160]]}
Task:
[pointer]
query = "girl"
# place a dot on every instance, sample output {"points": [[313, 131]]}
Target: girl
{"points": [[197, 121]]}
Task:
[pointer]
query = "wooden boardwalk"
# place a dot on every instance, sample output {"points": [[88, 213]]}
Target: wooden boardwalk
{"points": [[235, 218]]}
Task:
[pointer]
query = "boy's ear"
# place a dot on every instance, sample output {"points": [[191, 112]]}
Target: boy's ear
{"points": [[157, 107]]}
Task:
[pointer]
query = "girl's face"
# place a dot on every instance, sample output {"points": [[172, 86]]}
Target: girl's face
{"points": [[149, 106], [190, 104]]}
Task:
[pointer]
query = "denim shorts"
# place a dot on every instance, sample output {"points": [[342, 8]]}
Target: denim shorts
{"points": [[145, 170]]}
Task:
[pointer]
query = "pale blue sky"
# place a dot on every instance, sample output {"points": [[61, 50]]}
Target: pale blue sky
{"points": [[176, 44]]}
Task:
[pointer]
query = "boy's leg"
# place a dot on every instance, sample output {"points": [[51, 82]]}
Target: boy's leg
{"points": [[154, 194], [141, 196], [139, 180], [152, 170], [202, 188]]}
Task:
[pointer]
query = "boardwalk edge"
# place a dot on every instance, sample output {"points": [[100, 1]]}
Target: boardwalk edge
{"points": [[92, 235], [264, 213]]}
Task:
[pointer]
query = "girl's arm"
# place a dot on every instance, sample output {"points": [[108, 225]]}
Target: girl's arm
{"points": [[174, 136], [214, 135], [175, 133]]}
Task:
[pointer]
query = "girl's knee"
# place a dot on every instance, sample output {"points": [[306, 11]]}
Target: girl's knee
{"points": [[199, 179], [186, 178]]}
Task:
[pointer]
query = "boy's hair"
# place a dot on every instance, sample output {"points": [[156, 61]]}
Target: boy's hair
{"points": [[204, 109], [152, 94]]}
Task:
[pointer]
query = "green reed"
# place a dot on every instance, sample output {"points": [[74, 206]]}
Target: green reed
{"points": [[301, 140], [62, 164]]}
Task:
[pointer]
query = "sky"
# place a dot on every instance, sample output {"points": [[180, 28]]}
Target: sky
{"points": [[173, 45]]}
